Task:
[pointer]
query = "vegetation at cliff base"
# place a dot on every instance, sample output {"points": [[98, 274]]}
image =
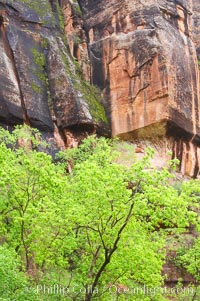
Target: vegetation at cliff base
{"points": [[87, 227]]}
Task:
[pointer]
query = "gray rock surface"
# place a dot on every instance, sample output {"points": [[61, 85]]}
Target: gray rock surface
{"points": [[40, 83]]}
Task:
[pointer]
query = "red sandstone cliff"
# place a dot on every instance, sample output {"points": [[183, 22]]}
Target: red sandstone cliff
{"points": [[143, 55]]}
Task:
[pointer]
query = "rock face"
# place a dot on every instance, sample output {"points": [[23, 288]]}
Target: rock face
{"points": [[39, 81], [196, 23], [143, 57]]}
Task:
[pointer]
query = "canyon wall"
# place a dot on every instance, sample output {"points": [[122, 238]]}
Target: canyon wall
{"points": [[196, 26], [143, 57], [40, 82]]}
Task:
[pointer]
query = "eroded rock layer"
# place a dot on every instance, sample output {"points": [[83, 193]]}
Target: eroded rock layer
{"points": [[143, 57], [40, 83]]}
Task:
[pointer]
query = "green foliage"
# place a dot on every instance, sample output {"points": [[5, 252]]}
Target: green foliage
{"points": [[39, 69], [42, 8], [76, 8], [99, 230], [189, 258], [188, 248], [39, 57], [13, 283], [36, 88], [23, 135], [40, 60], [102, 149], [60, 16], [158, 210], [93, 96]]}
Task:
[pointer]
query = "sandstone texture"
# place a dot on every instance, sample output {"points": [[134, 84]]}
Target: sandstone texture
{"points": [[196, 26], [40, 82], [142, 55], [144, 58]]}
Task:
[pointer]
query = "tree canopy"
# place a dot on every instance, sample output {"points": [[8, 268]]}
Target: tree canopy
{"points": [[86, 227]]}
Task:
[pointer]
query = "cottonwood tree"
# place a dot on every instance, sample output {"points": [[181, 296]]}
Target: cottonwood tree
{"points": [[123, 216], [96, 226], [31, 191], [188, 249], [13, 282]]}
